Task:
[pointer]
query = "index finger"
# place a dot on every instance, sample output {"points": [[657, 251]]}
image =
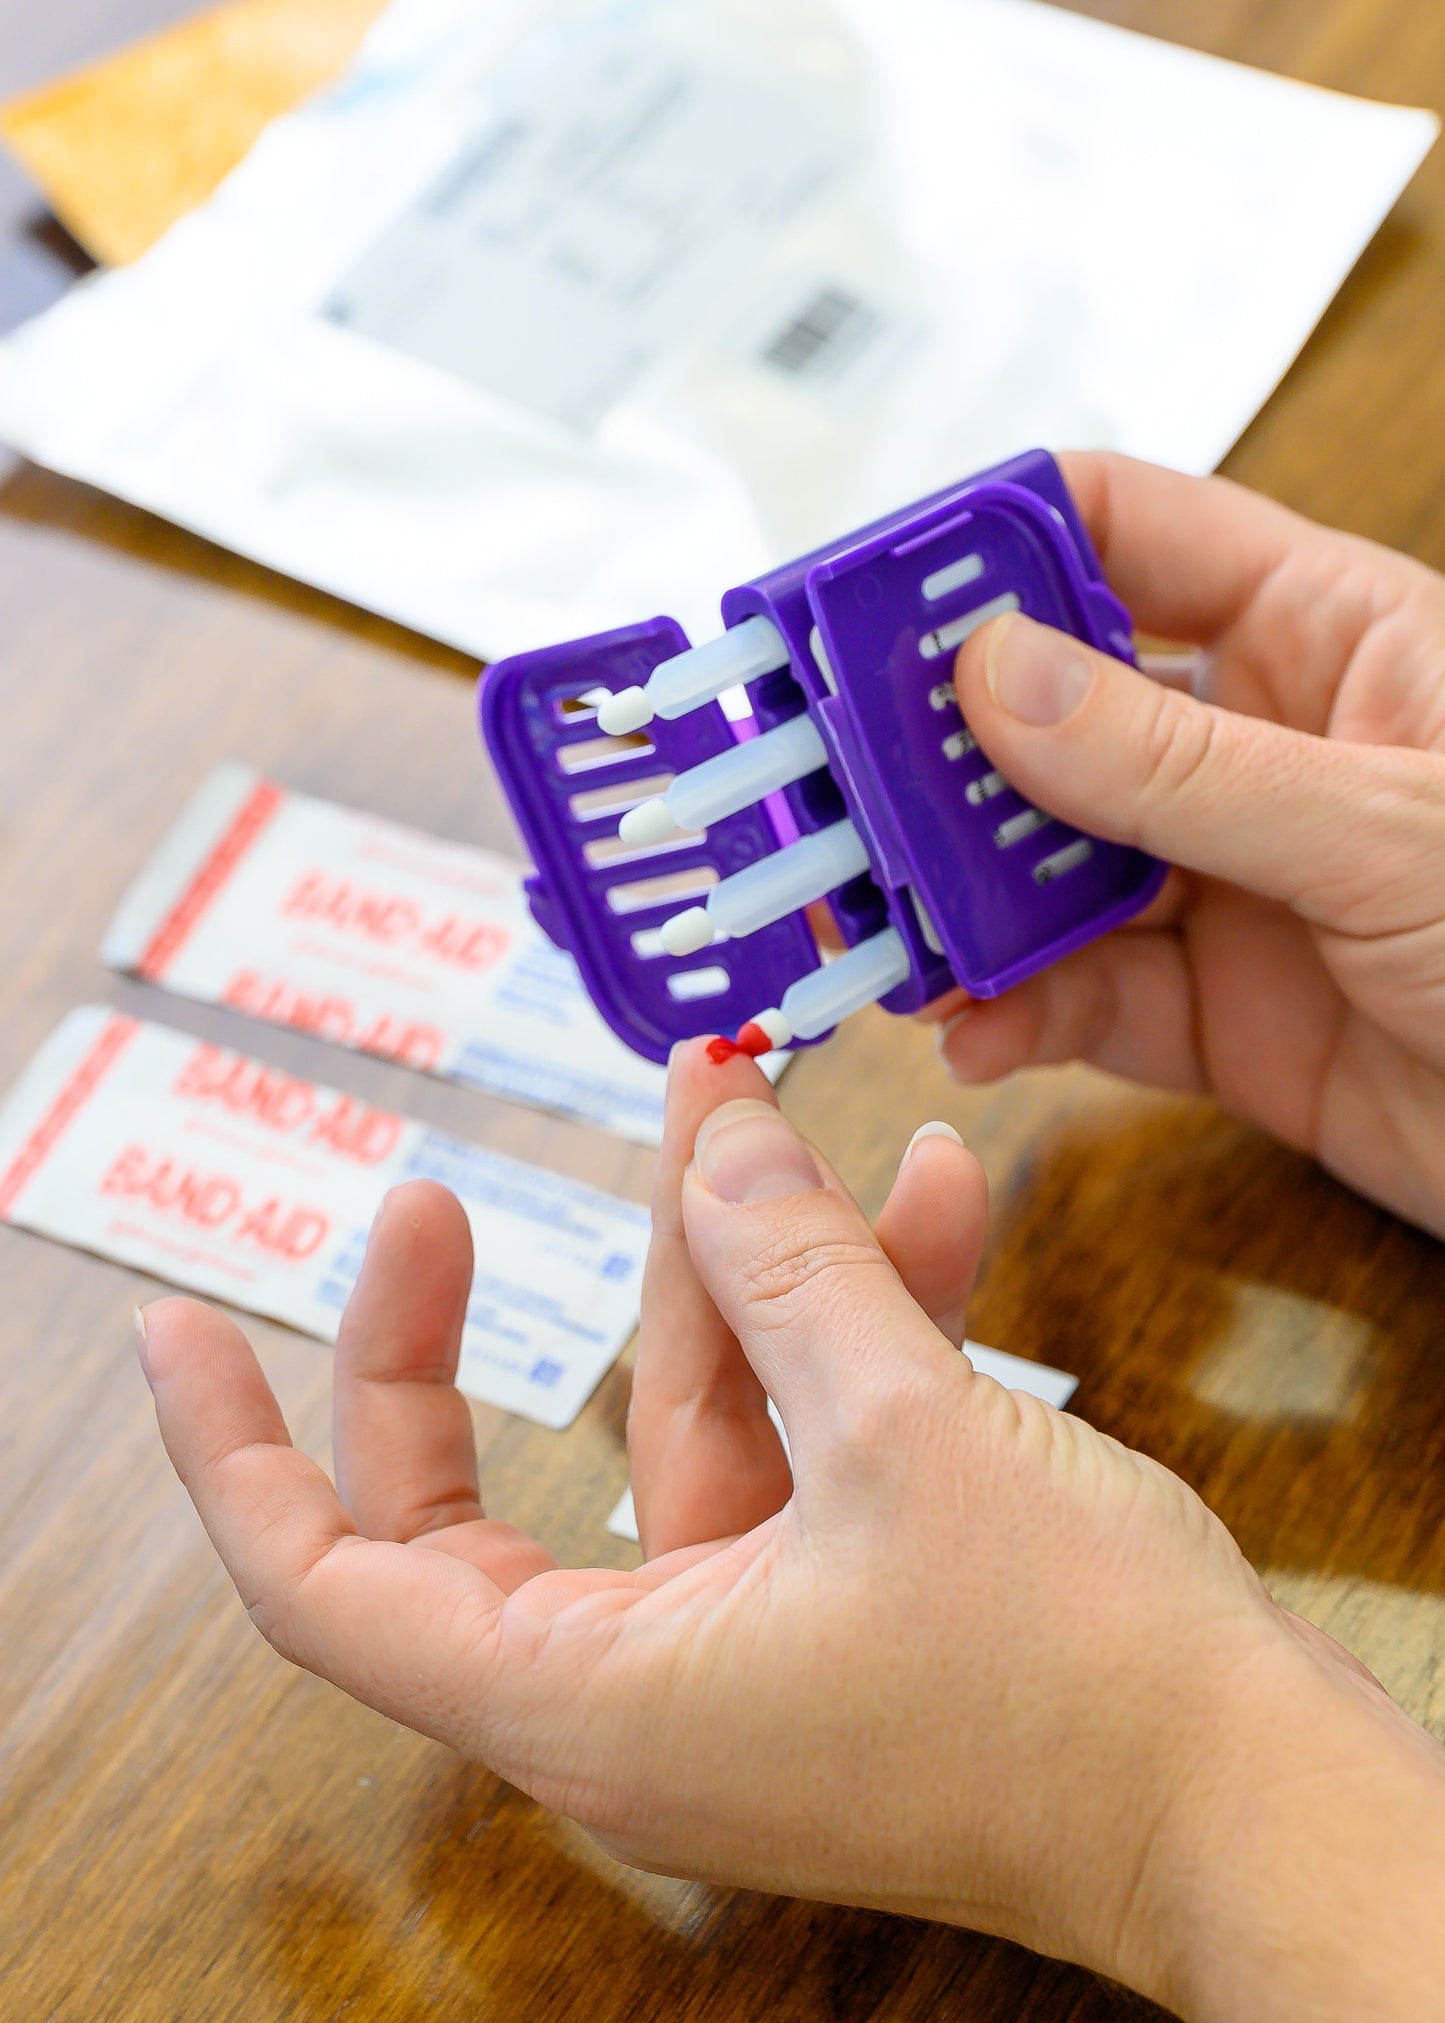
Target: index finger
{"points": [[1187, 555], [706, 1460]]}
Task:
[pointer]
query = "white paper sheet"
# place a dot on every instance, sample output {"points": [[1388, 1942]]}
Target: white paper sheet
{"points": [[988, 223], [1053, 1386], [225, 1176]]}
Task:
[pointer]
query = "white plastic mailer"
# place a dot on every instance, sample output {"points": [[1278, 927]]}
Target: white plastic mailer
{"points": [[550, 316]]}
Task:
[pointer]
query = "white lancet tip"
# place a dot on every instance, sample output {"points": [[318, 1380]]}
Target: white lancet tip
{"points": [[687, 932], [628, 710], [647, 823]]}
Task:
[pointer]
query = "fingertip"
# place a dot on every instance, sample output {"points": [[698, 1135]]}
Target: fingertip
{"points": [[411, 1294], [944, 1008], [939, 1177], [138, 1322], [211, 1395], [934, 1221], [697, 1085], [948, 1040], [936, 1129], [169, 1331], [937, 1160], [418, 1224], [420, 1200], [1092, 476], [985, 1041]]}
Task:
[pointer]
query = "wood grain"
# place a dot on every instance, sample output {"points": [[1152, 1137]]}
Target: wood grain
{"points": [[189, 1830]]}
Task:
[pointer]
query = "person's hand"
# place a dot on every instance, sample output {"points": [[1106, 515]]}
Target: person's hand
{"points": [[1295, 967], [976, 1662]]}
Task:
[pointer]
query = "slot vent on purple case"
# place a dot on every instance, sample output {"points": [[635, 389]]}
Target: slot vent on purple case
{"points": [[687, 986], [661, 832], [952, 576], [591, 754], [1063, 861], [1025, 823], [649, 895], [604, 851], [580, 708], [600, 804], [948, 638], [606, 897]]}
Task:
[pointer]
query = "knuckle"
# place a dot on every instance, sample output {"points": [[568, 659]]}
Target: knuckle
{"points": [[1390, 883], [273, 1623], [279, 1611], [1179, 745], [1079, 1008], [1412, 784], [881, 1417], [799, 1274]]}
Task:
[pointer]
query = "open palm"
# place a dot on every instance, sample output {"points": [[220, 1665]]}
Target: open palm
{"points": [[813, 1682]]}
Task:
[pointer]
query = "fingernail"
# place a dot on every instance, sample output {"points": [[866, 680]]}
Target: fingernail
{"points": [[747, 1151], [142, 1346], [949, 1027], [938, 1129], [1038, 675], [944, 1036]]}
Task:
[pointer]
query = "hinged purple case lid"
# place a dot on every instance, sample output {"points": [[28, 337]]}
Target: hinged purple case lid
{"points": [[996, 886], [965, 882], [568, 786]]}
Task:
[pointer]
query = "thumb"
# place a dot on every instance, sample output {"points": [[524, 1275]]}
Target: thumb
{"points": [[796, 1272], [1343, 833]]}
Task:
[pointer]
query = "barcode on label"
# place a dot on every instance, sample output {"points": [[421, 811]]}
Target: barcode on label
{"points": [[830, 330]]}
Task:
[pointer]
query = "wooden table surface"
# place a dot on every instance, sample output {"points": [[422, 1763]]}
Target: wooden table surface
{"points": [[189, 1829]]}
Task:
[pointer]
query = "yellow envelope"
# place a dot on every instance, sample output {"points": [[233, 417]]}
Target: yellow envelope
{"points": [[125, 147]]}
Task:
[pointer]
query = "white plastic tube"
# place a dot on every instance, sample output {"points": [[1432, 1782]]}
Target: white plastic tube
{"points": [[734, 779], [947, 637], [769, 890], [778, 885], [826, 996], [700, 675]]}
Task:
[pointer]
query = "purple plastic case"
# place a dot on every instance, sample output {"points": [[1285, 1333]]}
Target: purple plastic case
{"points": [[983, 890]]}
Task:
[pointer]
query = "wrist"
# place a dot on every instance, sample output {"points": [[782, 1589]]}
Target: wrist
{"points": [[1301, 1871]]}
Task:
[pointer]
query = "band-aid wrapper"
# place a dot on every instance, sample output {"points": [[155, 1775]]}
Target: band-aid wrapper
{"points": [[1016, 1373], [228, 1177], [377, 937]]}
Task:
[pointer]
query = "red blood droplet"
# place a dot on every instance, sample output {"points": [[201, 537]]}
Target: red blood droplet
{"points": [[722, 1050], [753, 1040]]}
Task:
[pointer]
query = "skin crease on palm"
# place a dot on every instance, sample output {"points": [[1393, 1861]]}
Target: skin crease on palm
{"points": [[1296, 967], [967, 1656]]}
